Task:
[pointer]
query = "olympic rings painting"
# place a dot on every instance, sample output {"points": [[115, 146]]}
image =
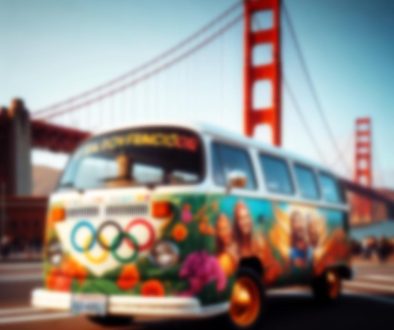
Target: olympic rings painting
{"points": [[108, 245]]}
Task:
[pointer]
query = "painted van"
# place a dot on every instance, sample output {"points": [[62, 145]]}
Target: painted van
{"points": [[187, 221]]}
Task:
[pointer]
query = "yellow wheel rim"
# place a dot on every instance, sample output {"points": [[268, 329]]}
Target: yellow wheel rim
{"points": [[334, 285], [245, 302]]}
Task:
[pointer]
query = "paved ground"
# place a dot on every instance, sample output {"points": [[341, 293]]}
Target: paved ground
{"points": [[368, 303]]}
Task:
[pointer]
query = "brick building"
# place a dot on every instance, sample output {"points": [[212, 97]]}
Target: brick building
{"points": [[22, 219]]}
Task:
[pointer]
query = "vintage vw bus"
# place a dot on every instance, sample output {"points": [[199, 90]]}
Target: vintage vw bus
{"points": [[186, 221]]}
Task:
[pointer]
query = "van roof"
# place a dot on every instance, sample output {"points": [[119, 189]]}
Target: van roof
{"points": [[225, 134]]}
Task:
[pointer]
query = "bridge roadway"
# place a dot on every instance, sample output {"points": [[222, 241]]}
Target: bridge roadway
{"points": [[368, 303]]}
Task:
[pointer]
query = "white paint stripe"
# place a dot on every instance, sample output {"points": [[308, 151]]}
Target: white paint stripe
{"points": [[20, 278], [19, 310], [379, 277], [389, 275], [18, 266], [31, 318], [380, 299], [374, 269], [370, 286]]}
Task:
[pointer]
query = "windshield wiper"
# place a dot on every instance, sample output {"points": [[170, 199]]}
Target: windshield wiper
{"points": [[67, 185], [71, 186], [118, 182]]}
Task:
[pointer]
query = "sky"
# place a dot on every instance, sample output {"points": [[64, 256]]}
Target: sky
{"points": [[51, 50]]}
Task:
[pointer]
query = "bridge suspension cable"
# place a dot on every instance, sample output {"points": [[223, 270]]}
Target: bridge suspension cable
{"points": [[312, 87], [304, 122], [48, 111], [149, 74], [380, 176], [346, 148]]}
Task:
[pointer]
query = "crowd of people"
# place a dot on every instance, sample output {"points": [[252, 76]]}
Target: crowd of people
{"points": [[373, 247], [10, 247]]}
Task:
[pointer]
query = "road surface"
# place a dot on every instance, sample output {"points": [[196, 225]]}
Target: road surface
{"points": [[367, 303]]}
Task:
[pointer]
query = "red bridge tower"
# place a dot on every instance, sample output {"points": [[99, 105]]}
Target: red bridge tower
{"points": [[363, 164], [270, 72]]}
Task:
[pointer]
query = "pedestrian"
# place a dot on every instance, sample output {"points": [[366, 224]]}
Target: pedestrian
{"points": [[383, 249], [5, 246]]}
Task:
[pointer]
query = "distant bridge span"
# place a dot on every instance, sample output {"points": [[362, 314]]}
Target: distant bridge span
{"points": [[56, 138]]}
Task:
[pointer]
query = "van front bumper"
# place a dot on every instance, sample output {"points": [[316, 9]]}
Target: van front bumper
{"points": [[171, 307]]}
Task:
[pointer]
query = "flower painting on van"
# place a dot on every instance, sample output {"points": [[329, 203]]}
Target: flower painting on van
{"points": [[200, 269], [202, 245]]}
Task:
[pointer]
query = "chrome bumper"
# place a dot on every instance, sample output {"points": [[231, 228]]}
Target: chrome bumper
{"points": [[171, 307]]}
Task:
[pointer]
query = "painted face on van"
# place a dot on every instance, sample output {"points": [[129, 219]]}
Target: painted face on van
{"points": [[224, 231], [298, 230], [314, 231], [243, 221]]}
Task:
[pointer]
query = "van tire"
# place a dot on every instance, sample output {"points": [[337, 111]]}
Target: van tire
{"points": [[327, 288], [111, 321], [239, 317]]}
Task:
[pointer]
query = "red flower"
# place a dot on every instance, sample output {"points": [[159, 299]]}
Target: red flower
{"points": [[129, 277], [56, 280], [73, 269], [152, 288]]}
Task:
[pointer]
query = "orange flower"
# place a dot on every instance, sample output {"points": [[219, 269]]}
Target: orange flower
{"points": [[152, 288], [204, 218], [56, 280], [56, 214], [129, 277], [206, 229], [179, 233], [73, 269], [227, 263], [215, 206]]}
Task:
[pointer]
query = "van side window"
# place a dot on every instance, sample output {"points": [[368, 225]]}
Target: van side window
{"points": [[277, 175], [218, 176], [307, 182], [227, 159], [330, 188]]}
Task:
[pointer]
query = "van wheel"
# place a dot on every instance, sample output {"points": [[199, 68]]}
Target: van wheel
{"points": [[247, 303], [111, 321], [328, 287]]}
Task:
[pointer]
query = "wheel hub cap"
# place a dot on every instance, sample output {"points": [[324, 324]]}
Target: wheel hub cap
{"points": [[245, 302]]}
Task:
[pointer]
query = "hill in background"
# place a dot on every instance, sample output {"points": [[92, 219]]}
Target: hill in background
{"points": [[44, 179]]}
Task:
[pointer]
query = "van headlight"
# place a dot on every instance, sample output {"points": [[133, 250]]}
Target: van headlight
{"points": [[165, 254]]}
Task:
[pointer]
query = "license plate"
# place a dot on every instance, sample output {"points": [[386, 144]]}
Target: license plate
{"points": [[92, 304]]}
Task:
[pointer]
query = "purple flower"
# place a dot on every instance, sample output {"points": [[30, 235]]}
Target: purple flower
{"points": [[200, 269]]}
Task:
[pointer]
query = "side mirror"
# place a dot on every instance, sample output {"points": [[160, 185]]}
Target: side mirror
{"points": [[236, 179]]}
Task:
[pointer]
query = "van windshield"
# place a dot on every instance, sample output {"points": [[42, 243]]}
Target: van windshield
{"points": [[136, 157]]}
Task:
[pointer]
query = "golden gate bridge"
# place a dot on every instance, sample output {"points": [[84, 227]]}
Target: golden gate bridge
{"points": [[263, 24]]}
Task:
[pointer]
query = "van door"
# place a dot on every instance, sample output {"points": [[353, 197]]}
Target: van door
{"points": [[286, 227], [240, 206]]}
